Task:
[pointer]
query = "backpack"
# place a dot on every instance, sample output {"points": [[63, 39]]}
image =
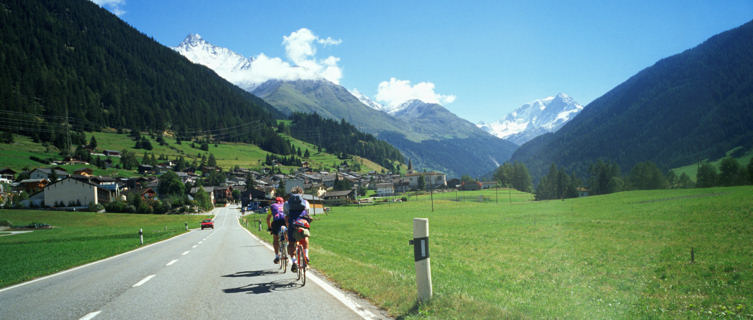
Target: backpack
{"points": [[296, 203]]}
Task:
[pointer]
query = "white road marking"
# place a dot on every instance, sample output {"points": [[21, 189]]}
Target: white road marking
{"points": [[201, 241], [171, 263], [90, 264], [90, 315], [143, 281], [352, 305], [185, 253], [196, 245]]}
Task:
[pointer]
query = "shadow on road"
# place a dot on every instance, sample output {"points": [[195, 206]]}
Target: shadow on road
{"points": [[265, 287], [254, 273]]}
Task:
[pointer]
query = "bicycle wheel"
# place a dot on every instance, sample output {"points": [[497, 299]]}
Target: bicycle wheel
{"points": [[283, 253], [303, 266], [298, 256]]}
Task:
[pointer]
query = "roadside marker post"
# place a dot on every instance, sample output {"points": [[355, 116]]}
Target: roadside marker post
{"points": [[141, 236], [420, 244]]}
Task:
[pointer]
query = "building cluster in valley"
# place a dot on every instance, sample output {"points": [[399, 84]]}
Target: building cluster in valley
{"points": [[56, 187]]}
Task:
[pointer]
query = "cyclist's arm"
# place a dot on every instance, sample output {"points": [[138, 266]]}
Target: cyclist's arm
{"points": [[269, 217]]}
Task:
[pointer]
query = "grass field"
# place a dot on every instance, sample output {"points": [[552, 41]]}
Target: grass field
{"points": [[619, 256], [77, 238]]}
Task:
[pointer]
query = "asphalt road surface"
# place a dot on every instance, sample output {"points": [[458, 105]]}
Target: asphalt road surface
{"points": [[224, 273]]}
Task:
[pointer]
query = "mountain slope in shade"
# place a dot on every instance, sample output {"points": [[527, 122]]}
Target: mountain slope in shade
{"points": [[71, 58], [329, 100], [692, 106], [534, 119]]}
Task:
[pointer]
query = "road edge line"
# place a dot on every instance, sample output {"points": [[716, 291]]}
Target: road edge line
{"points": [[334, 292], [90, 263]]}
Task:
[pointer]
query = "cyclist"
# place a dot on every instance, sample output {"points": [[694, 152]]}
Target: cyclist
{"points": [[297, 221], [276, 214]]}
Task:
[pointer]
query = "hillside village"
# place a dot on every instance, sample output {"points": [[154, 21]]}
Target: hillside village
{"points": [[56, 188]]}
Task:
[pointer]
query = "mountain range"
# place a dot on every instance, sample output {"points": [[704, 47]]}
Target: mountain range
{"points": [[692, 106], [430, 135], [534, 119]]}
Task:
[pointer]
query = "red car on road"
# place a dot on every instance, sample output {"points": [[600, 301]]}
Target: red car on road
{"points": [[207, 224]]}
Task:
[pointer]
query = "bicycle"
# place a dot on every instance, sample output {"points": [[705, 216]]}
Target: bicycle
{"points": [[283, 250], [300, 257]]}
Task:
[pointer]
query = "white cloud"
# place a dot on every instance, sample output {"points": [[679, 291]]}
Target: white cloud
{"points": [[113, 5], [395, 92], [300, 48]]}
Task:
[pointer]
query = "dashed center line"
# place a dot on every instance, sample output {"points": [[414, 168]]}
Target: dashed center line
{"points": [[171, 263], [185, 253], [143, 281], [196, 245], [90, 315]]}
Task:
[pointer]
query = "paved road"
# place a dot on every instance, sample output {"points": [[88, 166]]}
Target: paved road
{"points": [[212, 274]]}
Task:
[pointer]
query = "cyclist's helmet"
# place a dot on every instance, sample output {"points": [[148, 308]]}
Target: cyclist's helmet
{"points": [[280, 200]]}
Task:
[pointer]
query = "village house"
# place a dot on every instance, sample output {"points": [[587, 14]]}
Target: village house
{"points": [[46, 173], [385, 189], [33, 185], [84, 172], [488, 184], [340, 197], [431, 179], [111, 153], [8, 173], [71, 192], [209, 190]]}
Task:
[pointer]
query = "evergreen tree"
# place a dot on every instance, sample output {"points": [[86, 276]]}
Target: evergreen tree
{"points": [[421, 182], [646, 176], [307, 154], [212, 162], [706, 176], [730, 173], [684, 181], [605, 178], [93, 143]]}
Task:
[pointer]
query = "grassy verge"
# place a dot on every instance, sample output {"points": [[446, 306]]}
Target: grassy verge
{"points": [[619, 256], [77, 238]]}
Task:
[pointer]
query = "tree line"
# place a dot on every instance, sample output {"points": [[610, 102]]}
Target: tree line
{"points": [[606, 177]]}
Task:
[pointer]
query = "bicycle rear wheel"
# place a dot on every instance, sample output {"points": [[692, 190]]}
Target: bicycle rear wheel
{"points": [[300, 257]]}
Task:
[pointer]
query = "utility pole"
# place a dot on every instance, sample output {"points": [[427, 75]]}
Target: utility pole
{"points": [[67, 134], [431, 193]]}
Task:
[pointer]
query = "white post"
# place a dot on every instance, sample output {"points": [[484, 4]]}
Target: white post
{"points": [[141, 236], [421, 255]]}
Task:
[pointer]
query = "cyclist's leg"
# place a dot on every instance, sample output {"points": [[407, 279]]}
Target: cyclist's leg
{"points": [[276, 242]]}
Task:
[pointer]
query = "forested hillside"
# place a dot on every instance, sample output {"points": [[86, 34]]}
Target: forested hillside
{"points": [[692, 106], [72, 58], [342, 137]]}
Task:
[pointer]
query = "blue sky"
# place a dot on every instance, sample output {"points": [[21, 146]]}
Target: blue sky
{"points": [[481, 59]]}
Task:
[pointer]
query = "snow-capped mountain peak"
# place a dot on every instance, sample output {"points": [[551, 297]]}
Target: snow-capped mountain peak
{"points": [[223, 61], [535, 118], [366, 100]]}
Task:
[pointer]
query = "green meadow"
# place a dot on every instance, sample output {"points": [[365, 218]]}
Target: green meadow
{"points": [[77, 238], [620, 256]]}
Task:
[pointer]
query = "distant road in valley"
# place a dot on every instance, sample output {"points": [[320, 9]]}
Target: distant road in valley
{"points": [[223, 273]]}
